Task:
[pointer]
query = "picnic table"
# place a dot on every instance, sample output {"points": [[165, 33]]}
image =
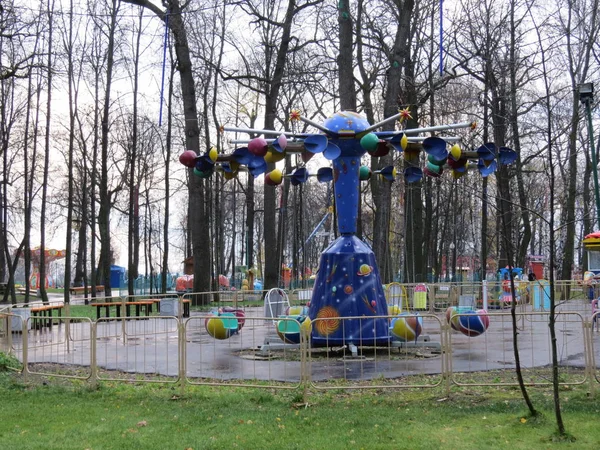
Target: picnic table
{"points": [[141, 306], [42, 315], [81, 289]]}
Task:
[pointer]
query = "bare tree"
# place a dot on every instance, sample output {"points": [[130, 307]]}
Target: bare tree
{"points": [[46, 168], [197, 204]]}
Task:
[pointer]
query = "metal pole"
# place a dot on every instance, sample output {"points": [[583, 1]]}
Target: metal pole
{"points": [[588, 109]]}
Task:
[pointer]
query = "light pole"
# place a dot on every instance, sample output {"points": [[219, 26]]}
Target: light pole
{"points": [[586, 96]]}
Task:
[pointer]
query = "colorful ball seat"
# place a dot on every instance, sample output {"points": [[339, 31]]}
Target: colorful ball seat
{"points": [[452, 318], [394, 310], [297, 311], [290, 328], [222, 325], [469, 322], [406, 327], [239, 313]]}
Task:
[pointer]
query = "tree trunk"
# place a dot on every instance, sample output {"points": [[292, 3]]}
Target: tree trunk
{"points": [[133, 244], [168, 138], [104, 196], [196, 202], [72, 112], [50, 69], [272, 267]]}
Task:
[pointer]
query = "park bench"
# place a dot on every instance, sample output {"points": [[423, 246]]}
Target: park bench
{"points": [[41, 316], [106, 306], [141, 306], [81, 289], [146, 305]]}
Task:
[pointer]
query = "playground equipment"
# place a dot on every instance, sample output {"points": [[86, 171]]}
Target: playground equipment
{"points": [[507, 294], [397, 298], [276, 303], [184, 283], [406, 327], [541, 295], [535, 266], [348, 283], [467, 321], [224, 322], [50, 255], [591, 244]]}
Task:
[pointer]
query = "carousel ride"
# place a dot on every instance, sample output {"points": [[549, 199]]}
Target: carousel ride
{"points": [[50, 255], [348, 304]]}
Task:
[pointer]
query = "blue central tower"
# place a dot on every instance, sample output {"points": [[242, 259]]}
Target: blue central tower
{"points": [[348, 282]]}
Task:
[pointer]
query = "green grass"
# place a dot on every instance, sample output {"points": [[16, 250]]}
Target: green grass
{"points": [[58, 414]]}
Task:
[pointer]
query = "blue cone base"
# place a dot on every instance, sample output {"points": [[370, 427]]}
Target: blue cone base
{"points": [[348, 285]]}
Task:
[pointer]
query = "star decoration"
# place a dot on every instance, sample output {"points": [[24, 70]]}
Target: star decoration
{"points": [[404, 115], [295, 115]]}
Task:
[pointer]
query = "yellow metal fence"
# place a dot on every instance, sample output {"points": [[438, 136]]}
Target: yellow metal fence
{"points": [[181, 351]]}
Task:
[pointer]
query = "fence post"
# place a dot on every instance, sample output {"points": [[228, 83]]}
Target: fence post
{"points": [[431, 298], [93, 354], [8, 329], [124, 317], [484, 294], [447, 356], [588, 336], [181, 330], [24, 341], [304, 372]]}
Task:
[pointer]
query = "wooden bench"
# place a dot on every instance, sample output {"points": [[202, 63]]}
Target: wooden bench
{"points": [[81, 289], [146, 305], [155, 301], [42, 315], [106, 306]]}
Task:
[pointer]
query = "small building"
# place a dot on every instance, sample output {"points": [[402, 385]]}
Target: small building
{"points": [[591, 243], [188, 265]]}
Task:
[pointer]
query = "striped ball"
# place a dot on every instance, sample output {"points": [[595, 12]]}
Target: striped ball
{"points": [[222, 326], [474, 323], [406, 327], [452, 318], [289, 328]]}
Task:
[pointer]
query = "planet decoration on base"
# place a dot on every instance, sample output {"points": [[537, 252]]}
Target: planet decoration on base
{"points": [[224, 322], [290, 328], [406, 327], [469, 322]]}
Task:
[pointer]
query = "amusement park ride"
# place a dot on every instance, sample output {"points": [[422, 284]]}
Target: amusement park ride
{"points": [[348, 288]]}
